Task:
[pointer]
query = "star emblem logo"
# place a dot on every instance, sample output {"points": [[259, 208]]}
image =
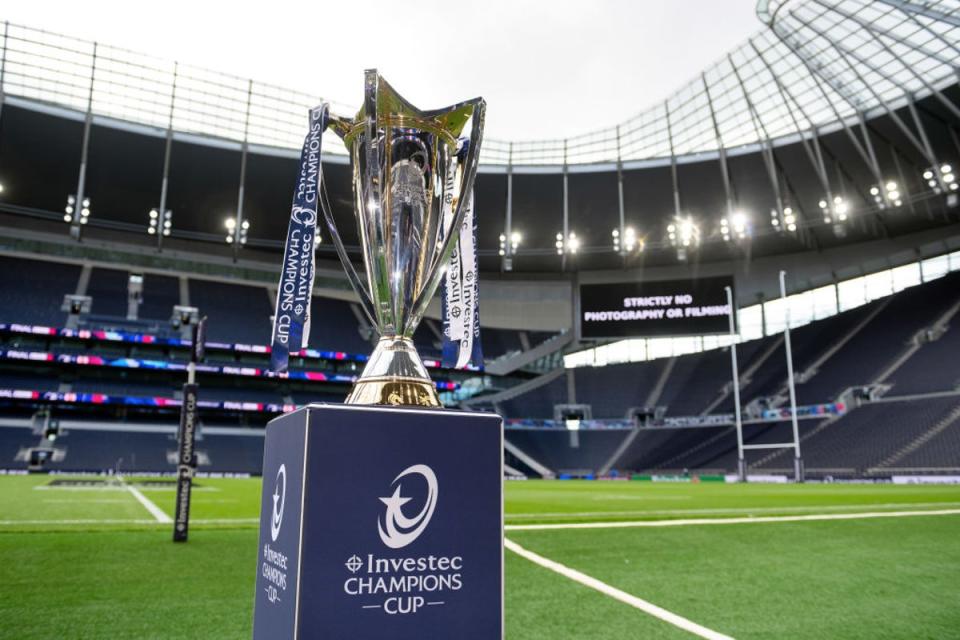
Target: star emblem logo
{"points": [[397, 530], [395, 502], [279, 492]]}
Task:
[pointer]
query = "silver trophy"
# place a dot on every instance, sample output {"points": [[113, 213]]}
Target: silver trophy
{"points": [[413, 174]]}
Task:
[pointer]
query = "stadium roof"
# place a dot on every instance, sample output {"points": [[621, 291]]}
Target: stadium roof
{"points": [[816, 65]]}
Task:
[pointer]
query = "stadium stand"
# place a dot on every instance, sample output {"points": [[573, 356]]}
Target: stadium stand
{"points": [[538, 402], [830, 355], [612, 390], [933, 367], [134, 449], [33, 382], [127, 451], [160, 295], [867, 436], [655, 444], [238, 394], [236, 453], [882, 339], [499, 342], [566, 452], [120, 388], [236, 313], [810, 343], [334, 327], [933, 452], [108, 288], [39, 303], [12, 440], [692, 383], [847, 350]]}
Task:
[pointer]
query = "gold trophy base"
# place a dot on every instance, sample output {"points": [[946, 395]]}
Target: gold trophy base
{"points": [[395, 392], [395, 376]]}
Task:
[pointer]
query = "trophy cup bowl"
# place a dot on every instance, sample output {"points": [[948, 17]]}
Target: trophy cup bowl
{"points": [[412, 177]]}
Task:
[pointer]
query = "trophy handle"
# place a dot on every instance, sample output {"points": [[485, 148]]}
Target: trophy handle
{"points": [[469, 174], [366, 302]]}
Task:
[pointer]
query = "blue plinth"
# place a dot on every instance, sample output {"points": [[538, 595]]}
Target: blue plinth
{"points": [[381, 522]]}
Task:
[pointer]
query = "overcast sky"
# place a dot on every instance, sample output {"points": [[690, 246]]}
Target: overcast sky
{"points": [[547, 69]]}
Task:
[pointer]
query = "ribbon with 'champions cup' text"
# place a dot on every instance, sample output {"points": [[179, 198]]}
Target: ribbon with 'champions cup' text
{"points": [[291, 323], [459, 304]]}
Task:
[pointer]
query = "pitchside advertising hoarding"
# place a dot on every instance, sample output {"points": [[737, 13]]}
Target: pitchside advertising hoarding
{"points": [[652, 309], [381, 523]]}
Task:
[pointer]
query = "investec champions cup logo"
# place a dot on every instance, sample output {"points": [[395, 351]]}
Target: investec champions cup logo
{"points": [[279, 497], [404, 585], [274, 565], [304, 215], [396, 529]]}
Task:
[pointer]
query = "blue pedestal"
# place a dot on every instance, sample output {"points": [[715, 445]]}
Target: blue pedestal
{"points": [[381, 522]]}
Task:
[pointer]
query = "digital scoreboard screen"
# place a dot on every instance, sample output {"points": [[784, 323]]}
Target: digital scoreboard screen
{"points": [[655, 309]]}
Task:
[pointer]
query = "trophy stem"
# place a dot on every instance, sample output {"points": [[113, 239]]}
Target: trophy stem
{"points": [[395, 375]]}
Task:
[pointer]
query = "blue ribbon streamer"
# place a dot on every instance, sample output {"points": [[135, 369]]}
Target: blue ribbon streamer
{"points": [[291, 324]]}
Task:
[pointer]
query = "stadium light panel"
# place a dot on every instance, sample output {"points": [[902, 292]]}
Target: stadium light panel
{"points": [[154, 227], [837, 210], [886, 194], [69, 209], [790, 219], [628, 241], [569, 245], [942, 175], [683, 232]]}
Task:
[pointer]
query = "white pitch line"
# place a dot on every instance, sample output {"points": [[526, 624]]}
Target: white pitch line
{"points": [[5, 523], [79, 521], [44, 487], [617, 594], [148, 504], [699, 521], [731, 510]]}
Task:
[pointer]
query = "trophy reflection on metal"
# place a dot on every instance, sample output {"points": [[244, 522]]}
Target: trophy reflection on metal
{"points": [[413, 175]]}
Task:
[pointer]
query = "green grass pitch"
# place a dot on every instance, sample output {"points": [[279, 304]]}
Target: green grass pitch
{"points": [[91, 562]]}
